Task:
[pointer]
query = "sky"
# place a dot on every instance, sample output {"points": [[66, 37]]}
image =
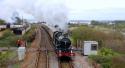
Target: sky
{"points": [[63, 9], [97, 9]]}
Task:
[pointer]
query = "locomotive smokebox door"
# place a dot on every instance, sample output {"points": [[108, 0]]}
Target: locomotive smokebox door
{"points": [[90, 48]]}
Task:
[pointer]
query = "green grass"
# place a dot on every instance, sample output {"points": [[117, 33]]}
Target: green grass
{"points": [[17, 65], [5, 57]]}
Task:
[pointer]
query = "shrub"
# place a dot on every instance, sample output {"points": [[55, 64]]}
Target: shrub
{"points": [[27, 36], [106, 52], [8, 39], [100, 59], [104, 57], [6, 33], [105, 61], [87, 33]]}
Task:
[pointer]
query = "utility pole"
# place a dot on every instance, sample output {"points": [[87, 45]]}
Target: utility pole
{"points": [[114, 26]]}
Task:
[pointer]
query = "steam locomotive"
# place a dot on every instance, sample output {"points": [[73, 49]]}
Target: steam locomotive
{"points": [[62, 44]]}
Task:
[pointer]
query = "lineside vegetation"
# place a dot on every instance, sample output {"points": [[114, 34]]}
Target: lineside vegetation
{"points": [[111, 44]]}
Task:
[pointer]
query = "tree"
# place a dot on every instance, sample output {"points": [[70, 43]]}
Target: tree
{"points": [[93, 22], [100, 23], [2, 22]]}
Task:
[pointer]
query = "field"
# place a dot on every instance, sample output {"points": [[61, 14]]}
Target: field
{"points": [[111, 43]]}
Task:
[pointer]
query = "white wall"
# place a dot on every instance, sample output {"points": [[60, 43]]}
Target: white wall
{"points": [[87, 48]]}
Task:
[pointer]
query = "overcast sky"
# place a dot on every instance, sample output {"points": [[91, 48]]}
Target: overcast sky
{"points": [[75, 9], [97, 9]]}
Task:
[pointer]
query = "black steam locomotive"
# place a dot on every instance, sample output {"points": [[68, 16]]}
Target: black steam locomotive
{"points": [[62, 44]]}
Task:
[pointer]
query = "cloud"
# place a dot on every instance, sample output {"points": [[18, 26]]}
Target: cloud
{"points": [[51, 11], [59, 11], [94, 4], [99, 14]]}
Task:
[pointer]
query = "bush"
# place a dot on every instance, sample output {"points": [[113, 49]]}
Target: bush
{"points": [[6, 33], [104, 57], [106, 52], [27, 36], [8, 39], [87, 33], [105, 61], [100, 59], [106, 65]]}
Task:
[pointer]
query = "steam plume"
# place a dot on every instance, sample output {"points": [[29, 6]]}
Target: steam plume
{"points": [[50, 11]]}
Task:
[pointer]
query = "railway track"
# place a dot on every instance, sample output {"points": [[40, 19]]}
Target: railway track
{"points": [[45, 47], [65, 64], [42, 60], [61, 64]]}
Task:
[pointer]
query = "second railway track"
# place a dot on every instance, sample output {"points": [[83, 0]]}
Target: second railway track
{"points": [[45, 47]]}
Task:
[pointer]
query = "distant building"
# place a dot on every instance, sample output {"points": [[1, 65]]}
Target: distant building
{"points": [[80, 22]]}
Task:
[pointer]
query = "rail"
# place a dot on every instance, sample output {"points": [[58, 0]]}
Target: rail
{"points": [[66, 64]]}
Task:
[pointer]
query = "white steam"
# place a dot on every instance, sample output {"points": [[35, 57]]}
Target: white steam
{"points": [[51, 11]]}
